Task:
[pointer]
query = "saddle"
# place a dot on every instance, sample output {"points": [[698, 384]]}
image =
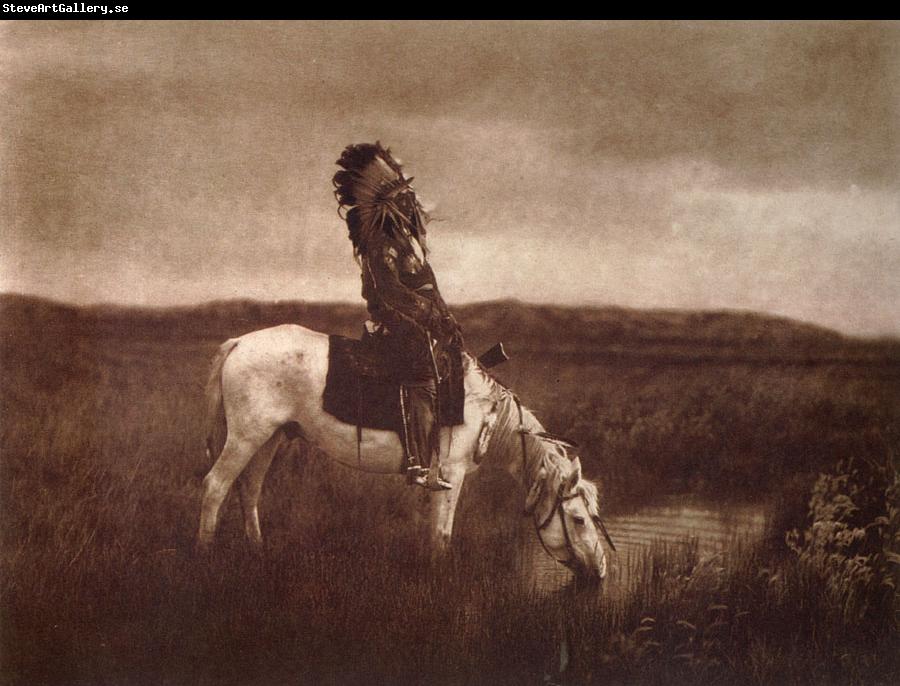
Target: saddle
{"points": [[361, 387]]}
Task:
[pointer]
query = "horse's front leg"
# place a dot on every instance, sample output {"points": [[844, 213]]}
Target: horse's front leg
{"points": [[443, 508]]}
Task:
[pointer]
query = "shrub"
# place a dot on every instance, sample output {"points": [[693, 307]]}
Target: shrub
{"points": [[852, 540]]}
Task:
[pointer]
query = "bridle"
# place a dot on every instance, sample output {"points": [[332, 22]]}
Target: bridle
{"points": [[560, 498], [558, 509]]}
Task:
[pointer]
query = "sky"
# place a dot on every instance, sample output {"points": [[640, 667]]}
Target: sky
{"points": [[700, 165]]}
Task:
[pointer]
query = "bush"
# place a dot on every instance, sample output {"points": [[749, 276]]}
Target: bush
{"points": [[852, 540]]}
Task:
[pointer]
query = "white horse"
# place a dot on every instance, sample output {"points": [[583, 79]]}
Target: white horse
{"points": [[268, 381]]}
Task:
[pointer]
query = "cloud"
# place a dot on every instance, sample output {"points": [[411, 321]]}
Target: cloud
{"points": [[827, 257], [651, 164]]}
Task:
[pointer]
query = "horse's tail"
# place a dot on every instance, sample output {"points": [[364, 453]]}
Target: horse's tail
{"points": [[216, 427]]}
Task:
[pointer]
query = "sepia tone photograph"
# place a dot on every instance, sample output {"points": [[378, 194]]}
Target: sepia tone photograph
{"points": [[449, 353]]}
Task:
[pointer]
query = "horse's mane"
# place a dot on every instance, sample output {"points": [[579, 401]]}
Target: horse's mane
{"points": [[507, 439]]}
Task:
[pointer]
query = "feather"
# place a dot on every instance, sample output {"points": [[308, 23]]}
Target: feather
{"points": [[375, 195]]}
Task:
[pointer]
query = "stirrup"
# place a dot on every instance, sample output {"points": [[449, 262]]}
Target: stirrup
{"points": [[414, 472], [418, 476], [437, 484], [436, 481]]}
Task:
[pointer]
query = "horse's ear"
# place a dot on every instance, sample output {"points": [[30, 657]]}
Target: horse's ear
{"points": [[534, 493], [575, 475]]}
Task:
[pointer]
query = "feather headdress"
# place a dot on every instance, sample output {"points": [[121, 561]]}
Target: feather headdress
{"points": [[375, 194]]}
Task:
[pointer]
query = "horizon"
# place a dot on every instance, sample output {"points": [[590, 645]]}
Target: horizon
{"points": [[100, 305], [703, 166]]}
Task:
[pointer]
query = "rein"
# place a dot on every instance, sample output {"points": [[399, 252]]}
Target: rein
{"points": [[557, 508], [558, 505]]}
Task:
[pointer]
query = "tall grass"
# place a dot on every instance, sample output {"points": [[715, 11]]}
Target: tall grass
{"points": [[102, 457]]}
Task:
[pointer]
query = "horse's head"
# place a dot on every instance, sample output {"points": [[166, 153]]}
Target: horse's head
{"points": [[564, 507]]}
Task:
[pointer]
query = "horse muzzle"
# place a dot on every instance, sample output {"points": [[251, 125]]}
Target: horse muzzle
{"points": [[589, 582], [589, 571]]}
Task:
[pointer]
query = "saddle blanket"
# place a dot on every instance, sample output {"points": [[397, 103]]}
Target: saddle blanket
{"points": [[360, 389]]}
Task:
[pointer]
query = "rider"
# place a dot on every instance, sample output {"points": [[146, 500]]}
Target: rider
{"points": [[408, 317]]}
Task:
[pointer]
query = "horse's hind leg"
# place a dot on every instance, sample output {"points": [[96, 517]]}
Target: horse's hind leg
{"points": [[250, 486], [236, 454]]}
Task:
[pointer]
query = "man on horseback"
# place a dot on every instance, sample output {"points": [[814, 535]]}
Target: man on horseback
{"points": [[410, 324]]}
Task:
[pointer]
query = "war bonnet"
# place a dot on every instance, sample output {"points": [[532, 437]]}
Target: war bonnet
{"points": [[375, 195]]}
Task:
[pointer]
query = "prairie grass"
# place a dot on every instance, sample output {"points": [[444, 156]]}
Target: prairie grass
{"points": [[102, 456]]}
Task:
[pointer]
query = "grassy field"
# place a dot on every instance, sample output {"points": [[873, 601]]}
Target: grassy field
{"points": [[102, 456]]}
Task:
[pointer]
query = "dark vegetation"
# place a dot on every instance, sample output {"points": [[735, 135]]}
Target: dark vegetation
{"points": [[102, 455]]}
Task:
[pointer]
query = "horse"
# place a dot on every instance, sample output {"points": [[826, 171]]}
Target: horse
{"points": [[267, 385]]}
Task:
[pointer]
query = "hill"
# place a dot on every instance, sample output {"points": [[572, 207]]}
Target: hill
{"points": [[612, 332]]}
